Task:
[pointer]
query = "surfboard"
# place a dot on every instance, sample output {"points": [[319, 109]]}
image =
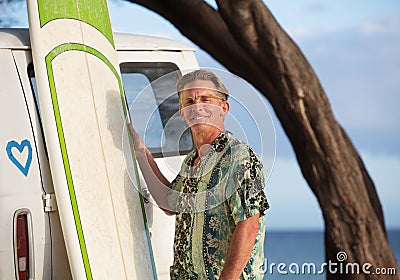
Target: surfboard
{"points": [[84, 116]]}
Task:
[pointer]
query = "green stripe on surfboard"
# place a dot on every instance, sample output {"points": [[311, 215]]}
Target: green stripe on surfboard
{"points": [[92, 12], [54, 53], [63, 147]]}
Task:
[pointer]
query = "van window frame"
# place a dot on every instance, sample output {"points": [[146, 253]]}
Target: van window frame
{"points": [[132, 67]]}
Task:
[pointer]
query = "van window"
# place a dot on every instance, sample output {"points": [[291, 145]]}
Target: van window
{"points": [[153, 105], [32, 79]]}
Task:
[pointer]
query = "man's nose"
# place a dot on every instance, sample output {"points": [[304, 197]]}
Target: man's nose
{"points": [[197, 106]]}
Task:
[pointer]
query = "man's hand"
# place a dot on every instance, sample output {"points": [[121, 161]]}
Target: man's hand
{"points": [[156, 182], [242, 244]]}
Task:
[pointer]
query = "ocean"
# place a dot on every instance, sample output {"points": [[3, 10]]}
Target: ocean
{"points": [[300, 255]]}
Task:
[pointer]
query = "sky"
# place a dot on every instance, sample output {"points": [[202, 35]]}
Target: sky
{"points": [[354, 47]]}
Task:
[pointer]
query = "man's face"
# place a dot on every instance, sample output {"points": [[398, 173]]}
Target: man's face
{"points": [[202, 107]]}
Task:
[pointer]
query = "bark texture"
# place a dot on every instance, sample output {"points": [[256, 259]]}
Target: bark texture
{"points": [[245, 37]]}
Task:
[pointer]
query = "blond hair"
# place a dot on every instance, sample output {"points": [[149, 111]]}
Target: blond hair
{"points": [[204, 75]]}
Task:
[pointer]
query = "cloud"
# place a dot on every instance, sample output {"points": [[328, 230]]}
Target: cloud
{"points": [[14, 14], [384, 25], [316, 8]]}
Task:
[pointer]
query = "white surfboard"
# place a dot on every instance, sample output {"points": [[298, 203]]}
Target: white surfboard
{"points": [[84, 113]]}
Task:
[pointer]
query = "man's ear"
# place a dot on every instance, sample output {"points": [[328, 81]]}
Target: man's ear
{"points": [[225, 108]]}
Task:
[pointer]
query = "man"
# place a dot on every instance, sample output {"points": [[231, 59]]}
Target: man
{"points": [[218, 196]]}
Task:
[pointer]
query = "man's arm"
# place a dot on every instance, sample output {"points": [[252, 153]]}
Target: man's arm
{"points": [[155, 180], [242, 244]]}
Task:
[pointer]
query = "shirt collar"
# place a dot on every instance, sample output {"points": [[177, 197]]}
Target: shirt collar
{"points": [[218, 144]]}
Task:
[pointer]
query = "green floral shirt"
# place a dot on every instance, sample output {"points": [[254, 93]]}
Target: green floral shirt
{"points": [[224, 188]]}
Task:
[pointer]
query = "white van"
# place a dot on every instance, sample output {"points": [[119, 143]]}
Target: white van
{"points": [[31, 243]]}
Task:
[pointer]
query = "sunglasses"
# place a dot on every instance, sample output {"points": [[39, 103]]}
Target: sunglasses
{"points": [[202, 99]]}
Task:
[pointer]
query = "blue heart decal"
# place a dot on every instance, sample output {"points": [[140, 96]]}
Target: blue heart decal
{"points": [[24, 168]]}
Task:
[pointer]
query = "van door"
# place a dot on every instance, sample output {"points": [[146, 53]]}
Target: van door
{"points": [[154, 114], [51, 261]]}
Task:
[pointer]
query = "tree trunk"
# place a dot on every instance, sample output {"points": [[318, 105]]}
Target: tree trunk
{"points": [[245, 38]]}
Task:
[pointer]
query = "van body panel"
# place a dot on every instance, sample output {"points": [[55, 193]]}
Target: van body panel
{"points": [[59, 259], [20, 178]]}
